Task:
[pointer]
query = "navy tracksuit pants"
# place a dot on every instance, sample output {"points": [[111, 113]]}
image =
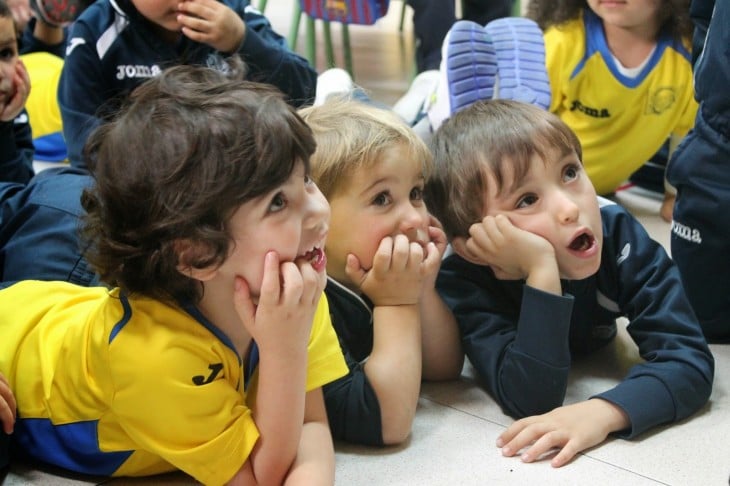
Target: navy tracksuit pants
{"points": [[700, 170]]}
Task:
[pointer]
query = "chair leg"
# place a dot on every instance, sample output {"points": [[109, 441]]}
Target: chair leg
{"points": [[294, 28], [329, 51], [346, 50], [262, 5], [311, 41], [516, 8], [402, 16]]}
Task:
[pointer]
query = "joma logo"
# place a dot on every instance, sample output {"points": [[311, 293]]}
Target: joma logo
{"points": [[137, 71]]}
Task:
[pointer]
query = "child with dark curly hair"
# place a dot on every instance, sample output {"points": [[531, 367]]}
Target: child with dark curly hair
{"points": [[209, 351], [621, 79]]}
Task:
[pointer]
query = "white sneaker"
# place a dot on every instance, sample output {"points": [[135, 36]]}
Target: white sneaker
{"points": [[467, 72], [332, 81], [410, 105]]}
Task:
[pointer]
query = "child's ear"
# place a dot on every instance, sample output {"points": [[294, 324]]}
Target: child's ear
{"points": [[188, 252], [458, 244]]}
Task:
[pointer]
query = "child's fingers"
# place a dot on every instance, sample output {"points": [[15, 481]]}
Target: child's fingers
{"points": [[415, 255], [354, 270], [433, 257], [198, 8], [545, 443], [310, 282], [401, 254], [7, 406], [271, 281], [438, 237], [566, 454], [515, 437], [292, 284], [382, 260]]}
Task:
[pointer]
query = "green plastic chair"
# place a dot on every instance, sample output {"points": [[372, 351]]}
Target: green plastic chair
{"points": [[311, 40]]}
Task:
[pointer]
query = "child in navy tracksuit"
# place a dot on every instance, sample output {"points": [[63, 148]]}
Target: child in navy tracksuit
{"points": [[699, 170], [116, 44], [542, 271]]}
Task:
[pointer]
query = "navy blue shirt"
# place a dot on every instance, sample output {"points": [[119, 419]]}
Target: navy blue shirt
{"points": [[16, 149], [520, 339], [112, 49], [352, 406]]}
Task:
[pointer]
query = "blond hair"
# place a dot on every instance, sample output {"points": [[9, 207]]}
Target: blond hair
{"points": [[351, 135]]}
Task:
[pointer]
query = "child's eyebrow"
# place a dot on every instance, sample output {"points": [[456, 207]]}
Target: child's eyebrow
{"points": [[375, 183]]}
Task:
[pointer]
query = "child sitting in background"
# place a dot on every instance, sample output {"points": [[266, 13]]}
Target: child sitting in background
{"points": [[16, 142], [542, 271], [203, 218], [116, 44], [383, 255], [621, 79]]}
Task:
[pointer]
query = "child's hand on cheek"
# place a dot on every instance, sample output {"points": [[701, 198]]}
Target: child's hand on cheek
{"points": [[15, 104], [282, 320], [435, 250], [396, 276], [436, 235], [512, 253]]}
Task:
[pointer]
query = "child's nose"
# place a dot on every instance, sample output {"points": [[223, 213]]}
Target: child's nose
{"points": [[567, 209], [413, 224]]}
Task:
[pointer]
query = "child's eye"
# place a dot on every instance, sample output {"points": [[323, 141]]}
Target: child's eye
{"points": [[308, 180], [416, 194], [7, 53], [278, 202], [526, 201], [382, 199], [571, 172]]}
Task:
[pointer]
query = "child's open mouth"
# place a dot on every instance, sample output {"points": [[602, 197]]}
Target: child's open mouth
{"points": [[582, 243], [316, 258]]}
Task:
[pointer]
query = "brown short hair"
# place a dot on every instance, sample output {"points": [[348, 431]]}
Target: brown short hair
{"points": [[351, 134], [187, 150], [481, 139]]}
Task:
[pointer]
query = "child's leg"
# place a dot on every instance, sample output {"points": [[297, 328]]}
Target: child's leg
{"points": [[699, 170], [468, 68], [520, 48]]}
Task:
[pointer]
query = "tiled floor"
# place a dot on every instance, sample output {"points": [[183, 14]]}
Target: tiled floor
{"points": [[457, 423]]}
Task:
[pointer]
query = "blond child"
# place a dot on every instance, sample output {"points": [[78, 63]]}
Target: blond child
{"points": [[383, 255]]}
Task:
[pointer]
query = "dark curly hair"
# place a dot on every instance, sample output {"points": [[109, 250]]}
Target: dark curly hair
{"points": [[675, 15], [188, 148]]}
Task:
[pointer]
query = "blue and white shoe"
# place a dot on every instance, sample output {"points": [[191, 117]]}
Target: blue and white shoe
{"points": [[520, 48], [468, 70]]}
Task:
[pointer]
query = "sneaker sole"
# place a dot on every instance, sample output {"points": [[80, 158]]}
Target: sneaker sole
{"points": [[520, 50], [471, 65]]}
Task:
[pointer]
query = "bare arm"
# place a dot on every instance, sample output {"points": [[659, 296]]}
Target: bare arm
{"points": [[394, 366], [315, 461], [280, 324], [443, 357]]}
